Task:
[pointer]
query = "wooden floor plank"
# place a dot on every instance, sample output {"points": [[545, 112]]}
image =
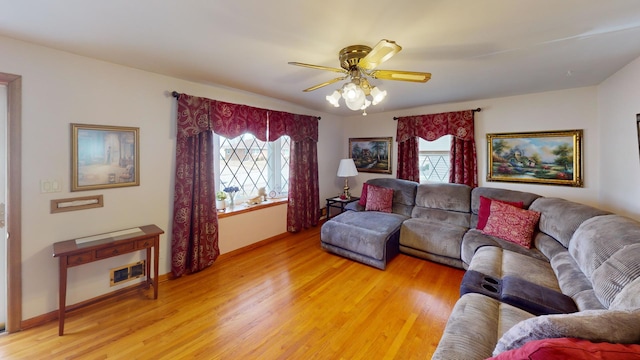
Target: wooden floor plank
{"points": [[288, 299]]}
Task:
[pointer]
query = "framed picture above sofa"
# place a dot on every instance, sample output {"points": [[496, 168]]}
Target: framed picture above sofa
{"points": [[549, 157], [371, 155], [104, 157]]}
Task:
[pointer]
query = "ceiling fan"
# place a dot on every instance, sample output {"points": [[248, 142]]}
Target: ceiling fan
{"points": [[357, 63]]}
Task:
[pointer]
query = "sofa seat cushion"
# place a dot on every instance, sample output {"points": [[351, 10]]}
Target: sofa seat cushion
{"points": [[364, 233], [433, 237], [475, 325], [474, 239], [499, 263]]}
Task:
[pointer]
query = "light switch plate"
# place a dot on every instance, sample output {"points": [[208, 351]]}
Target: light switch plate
{"points": [[50, 185]]}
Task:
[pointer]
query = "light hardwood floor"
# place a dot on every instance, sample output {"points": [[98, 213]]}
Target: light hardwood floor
{"points": [[285, 300]]}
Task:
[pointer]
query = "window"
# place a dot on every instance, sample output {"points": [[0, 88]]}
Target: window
{"points": [[434, 159], [250, 164]]}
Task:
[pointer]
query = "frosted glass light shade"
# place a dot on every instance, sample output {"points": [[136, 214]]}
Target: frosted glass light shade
{"points": [[334, 98], [353, 96], [377, 95]]}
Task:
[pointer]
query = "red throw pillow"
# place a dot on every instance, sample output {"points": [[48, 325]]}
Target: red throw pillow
{"points": [[484, 209], [511, 224], [571, 348], [379, 199], [363, 195]]}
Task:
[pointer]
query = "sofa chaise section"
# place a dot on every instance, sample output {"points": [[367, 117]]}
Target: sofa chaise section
{"points": [[370, 237]]}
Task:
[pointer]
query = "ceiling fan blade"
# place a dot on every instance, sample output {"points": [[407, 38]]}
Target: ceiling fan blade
{"points": [[380, 53], [324, 84], [318, 67], [401, 75]]}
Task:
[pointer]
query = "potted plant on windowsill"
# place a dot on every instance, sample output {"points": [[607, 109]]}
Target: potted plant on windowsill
{"points": [[221, 196]]}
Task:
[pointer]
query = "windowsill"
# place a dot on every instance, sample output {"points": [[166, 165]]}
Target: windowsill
{"points": [[245, 208]]}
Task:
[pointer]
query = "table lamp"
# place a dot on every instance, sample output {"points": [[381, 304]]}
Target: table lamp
{"points": [[347, 168]]}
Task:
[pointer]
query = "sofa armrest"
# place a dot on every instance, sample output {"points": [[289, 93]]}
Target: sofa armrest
{"points": [[354, 206]]}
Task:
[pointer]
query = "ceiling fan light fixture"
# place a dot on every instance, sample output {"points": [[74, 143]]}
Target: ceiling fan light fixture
{"points": [[377, 95], [353, 96], [334, 98], [350, 91], [358, 64], [357, 103]]}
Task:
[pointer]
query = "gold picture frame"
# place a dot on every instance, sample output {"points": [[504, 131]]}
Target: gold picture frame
{"points": [[550, 157], [372, 154], [104, 157]]}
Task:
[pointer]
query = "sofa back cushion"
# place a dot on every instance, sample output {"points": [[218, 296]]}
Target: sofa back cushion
{"points": [[404, 193], [607, 249], [559, 218], [443, 202], [498, 194]]}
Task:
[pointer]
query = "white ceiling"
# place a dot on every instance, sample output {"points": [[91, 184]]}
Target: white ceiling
{"points": [[475, 49]]}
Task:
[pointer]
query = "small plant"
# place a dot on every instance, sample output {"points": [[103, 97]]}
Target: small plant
{"points": [[221, 195], [231, 192]]}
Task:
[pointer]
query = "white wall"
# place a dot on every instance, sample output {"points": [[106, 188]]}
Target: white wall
{"points": [[618, 104], [555, 110], [61, 88]]}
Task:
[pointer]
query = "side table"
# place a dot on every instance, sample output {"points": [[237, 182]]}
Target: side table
{"points": [[337, 203]]}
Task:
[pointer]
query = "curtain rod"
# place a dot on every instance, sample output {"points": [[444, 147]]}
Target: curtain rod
{"points": [[176, 95], [474, 110]]}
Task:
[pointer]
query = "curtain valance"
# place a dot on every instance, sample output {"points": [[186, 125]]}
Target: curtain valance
{"points": [[197, 114], [433, 126], [459, 124]]}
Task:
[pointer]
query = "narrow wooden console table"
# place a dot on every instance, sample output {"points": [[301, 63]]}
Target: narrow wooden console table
{"points": [[93, 248]]}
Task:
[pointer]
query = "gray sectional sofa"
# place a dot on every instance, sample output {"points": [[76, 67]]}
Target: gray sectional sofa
{"points": [[581, 257]]}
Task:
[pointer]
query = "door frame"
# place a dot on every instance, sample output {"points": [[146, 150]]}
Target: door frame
{"points": [[14, 201]]}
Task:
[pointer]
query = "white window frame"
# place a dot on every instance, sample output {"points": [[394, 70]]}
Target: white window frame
{"points": [[274, 168]]}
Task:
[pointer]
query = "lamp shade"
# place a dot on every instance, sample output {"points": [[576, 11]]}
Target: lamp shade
{"points": [[347, 168]]}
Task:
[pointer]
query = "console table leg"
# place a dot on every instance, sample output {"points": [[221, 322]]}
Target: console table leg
{"points": [[156, 258], [62, 294]]}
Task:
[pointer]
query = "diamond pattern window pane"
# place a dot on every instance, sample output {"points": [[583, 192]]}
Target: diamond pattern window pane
{"points": [[250, 164], [434, 166]]}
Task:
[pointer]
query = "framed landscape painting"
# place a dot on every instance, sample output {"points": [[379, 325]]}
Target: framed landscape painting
{"points": [[371, 154], [552, 157], [104, 157]]}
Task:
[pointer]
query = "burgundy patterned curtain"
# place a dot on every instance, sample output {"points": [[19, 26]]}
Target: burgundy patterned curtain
{"points": [[408, 162], [304, 204], [463, 168], [459, 124], [194, 241]]}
